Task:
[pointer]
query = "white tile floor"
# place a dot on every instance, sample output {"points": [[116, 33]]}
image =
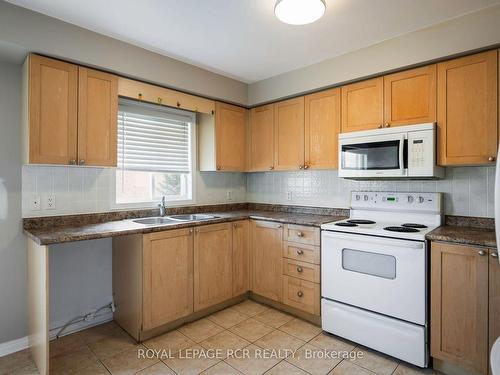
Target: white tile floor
{"points": [[248, 338]]}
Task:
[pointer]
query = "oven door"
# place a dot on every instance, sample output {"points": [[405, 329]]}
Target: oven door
{"points": [[384, 275], [373, 156]]}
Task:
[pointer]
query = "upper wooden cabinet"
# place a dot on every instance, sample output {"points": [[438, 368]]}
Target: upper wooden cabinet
{"points": [[289, 134], [71, 114], [363, 105], [167, 276], [129, 88], [230, 137], [468, 109], [222, 139], [213, 265], [266, 261], [459, 305], [322, 128], [410, 96], [241, 253], [97, 117], [261, 142], [52, 110]]}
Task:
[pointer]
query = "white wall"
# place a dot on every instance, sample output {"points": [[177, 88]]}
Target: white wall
{"points": [[39, 33], [467, 191], [462, 34], [12, 241]]}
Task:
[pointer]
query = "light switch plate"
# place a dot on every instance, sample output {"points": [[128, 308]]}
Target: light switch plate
{"points": [[288, 195], [35, 203], [229, 195]]}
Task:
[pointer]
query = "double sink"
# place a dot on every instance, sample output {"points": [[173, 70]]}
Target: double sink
{"points": [[174, 219]]}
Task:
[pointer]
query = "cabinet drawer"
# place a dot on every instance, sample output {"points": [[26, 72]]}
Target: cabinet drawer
{"points": [[301, 294], [301, 270], [302, 234], [304, 253]]}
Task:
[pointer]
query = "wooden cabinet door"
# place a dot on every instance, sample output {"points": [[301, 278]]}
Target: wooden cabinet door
{"points": [[459, 305], [167, 276], [467, 110], [494, 298], [52, 109], [363, 105], [410, 96], [241, 275], [322, 128], [213, 265], [266, 265], [262, 138], [289, 134], [97, 117], [230, 137]]}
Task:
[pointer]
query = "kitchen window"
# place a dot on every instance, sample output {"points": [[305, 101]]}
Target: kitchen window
{"points": [[155, 155]]}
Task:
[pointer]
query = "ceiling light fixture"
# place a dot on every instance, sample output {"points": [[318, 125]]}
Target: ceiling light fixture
{"points": [[299, 12]]}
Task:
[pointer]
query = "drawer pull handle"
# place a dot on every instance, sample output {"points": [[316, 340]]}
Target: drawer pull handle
{"points": [[300, 234], [300, 294], [481, 252], [300, 252], [494, 255], [299, 269]]}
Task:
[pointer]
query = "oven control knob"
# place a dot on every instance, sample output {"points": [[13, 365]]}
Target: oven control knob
{"points": [[358, 197], [421, 199], [365, 197], [410, 199]]}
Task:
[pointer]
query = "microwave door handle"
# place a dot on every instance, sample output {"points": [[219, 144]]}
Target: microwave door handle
{"points": [[401, 153]]}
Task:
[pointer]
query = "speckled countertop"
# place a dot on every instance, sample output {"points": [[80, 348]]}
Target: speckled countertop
{"points": [[464, 235], [48, 235]]}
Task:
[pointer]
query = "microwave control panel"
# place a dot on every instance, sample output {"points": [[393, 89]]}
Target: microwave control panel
{"points": [[421, 153]]}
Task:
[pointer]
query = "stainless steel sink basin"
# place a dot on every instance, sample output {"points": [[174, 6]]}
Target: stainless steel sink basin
{"points": [[155, 221], [191, 217]]}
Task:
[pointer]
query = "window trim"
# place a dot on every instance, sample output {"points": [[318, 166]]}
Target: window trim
{"points": [[194, 160]]}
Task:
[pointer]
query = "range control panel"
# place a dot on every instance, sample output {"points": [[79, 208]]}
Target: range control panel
{"points": [[376, 200]]}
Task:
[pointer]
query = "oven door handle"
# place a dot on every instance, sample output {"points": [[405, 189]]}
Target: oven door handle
{"points": [[374, 240]]}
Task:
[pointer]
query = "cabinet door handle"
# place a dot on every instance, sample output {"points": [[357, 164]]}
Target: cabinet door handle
{"points": [[387, 125], [235, 225], [299, 269], [271, 168], [482, 252], [72, 162], [300, 294], [380, 126], [191, 230], [300, 252], [81, 162], [300, 234], [301, 167], [491, 158], [494, 255], [306, 166]]}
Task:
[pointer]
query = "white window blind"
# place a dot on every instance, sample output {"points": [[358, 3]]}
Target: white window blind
{"points": [[153, 139]]}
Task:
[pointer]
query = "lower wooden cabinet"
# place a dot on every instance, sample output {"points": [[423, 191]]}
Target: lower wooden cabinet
{"points": [[494, 298], [301, 294], [460, 303], [266, 242], [241, 254], [167, 276], [213, 265]]}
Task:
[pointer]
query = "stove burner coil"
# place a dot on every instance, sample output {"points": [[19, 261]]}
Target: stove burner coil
{"points": [[413, 225], [346, 224], [360, 221], [401, 229]]}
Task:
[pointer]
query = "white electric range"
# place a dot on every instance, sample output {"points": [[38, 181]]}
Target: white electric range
{"points": [[374, 272]]}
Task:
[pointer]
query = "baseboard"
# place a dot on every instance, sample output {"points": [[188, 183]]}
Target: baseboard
{"points": [[13, 346]]}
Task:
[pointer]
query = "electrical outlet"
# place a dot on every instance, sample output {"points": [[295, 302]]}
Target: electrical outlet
{"points": [[229, 195], [35, 203], [49, 203], [288, 195]]}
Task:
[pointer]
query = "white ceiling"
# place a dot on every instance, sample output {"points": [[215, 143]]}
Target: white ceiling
{"points": [[242, 38]]}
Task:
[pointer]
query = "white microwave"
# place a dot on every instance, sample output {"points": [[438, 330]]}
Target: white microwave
{"points": [[400, 152]]}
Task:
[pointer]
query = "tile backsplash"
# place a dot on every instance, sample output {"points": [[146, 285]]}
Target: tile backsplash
{"points": [[468, 191], [86, 189]]}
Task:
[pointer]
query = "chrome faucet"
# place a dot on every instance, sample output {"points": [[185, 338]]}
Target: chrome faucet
{"points": [[163, 206]]}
